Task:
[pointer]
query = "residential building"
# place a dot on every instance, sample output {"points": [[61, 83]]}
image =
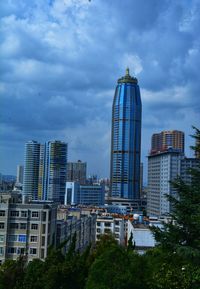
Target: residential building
{"points": [[114, 225], [84, 194], [27, 227], [126, 139], [31, 169], [163, 168], [164, 140], [77, 172], [83, 226], [52, 174], [186, 165]]}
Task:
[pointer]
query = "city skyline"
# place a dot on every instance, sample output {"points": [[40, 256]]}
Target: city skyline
{"points": [[58, 83]]}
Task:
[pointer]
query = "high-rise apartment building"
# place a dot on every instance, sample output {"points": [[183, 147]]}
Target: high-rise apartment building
{"points": [[160, 142], [76, 172], [53, 166], [31, 169], [20, 174], [163, 168], [126, 139]]}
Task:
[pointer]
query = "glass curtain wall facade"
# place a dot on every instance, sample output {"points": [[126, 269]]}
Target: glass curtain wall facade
{"points": [[126, 139]]}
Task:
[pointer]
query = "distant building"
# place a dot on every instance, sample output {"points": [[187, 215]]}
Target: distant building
{"points": [[84, 194], [126, 139], [107, 224], [31, 169], [52, 175], [164, 140], [20, 174], [27, 228], [77, 172]]}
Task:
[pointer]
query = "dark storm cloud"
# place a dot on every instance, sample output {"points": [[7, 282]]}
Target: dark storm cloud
{"points": [[60, 61]]}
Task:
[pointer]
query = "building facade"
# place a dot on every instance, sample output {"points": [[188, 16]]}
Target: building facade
{"points": [[84, 194], [164, 140], [126, 139], [163, 168], [31, 169], [77, 172], [52, 173], [108, 224], [26, 228], [82, 226]]}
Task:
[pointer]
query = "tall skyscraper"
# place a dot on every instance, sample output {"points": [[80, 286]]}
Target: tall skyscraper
{"points": [[20, 174], [76, 172], [160, 142], [126, 139], [31, 169], [53, 166]]}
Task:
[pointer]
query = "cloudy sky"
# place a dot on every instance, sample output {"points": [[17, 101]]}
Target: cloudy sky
{"points": [[60, 60]]}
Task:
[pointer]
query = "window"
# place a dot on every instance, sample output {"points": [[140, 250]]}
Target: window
{"points": [[43, 241], [34, 226], [1, 250], [21, 251], [12, 238], [43, 228], [98, 230], [117, 223], [35, 214], [2, 213], [107, 231], [107, 224], [98, 224], [23, 226], [44, 215], [1, 225], [33, 238], [12, 250], [14, 213], [22, 238], [24, 214], [2, 237], [33, 251], [14, 225]]}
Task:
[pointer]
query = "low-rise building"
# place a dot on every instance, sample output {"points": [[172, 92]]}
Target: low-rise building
{"points": [[83, 226], [108, 224]]}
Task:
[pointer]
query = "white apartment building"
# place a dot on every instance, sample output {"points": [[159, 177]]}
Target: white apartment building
{"points": [[107, 224], [162, 169], [27, 228]]}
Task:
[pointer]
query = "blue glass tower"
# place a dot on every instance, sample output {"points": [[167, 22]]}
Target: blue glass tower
{"points": [[126, 139]]}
